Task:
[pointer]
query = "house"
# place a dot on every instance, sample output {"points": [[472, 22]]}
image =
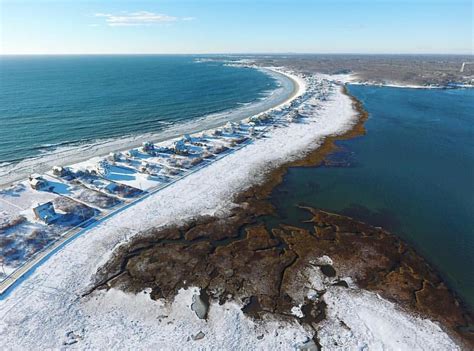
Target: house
{"points": [[114, 157], [60, 171], [254, 120], [45, 212], [229, 128], [37, 182], [180, 148], [103, 168], [148, 146], [144, 167]]}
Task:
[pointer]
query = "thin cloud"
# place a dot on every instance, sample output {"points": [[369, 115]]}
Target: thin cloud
{"points": [[141, 18]]}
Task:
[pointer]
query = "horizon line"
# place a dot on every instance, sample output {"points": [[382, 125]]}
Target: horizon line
{"points": [[239, 54]]}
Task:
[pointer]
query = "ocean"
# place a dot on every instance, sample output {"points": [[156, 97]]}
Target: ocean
{"points": [[412, 173], [60, 109]]}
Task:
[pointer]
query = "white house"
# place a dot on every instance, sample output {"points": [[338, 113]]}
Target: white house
{"points": [[59, 171], [180, 147], [37, 182], [103, 168], [114, 157], [45, 212]]}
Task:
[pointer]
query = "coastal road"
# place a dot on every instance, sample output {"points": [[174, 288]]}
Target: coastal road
{"points": [[41, 256], [16, 277]]}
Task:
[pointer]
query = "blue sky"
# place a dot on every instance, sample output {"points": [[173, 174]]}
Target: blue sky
{"points": [[232, 26]]}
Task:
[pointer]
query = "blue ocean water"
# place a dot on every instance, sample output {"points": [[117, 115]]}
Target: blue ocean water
{"points": [[412, 173], [50, 101]]}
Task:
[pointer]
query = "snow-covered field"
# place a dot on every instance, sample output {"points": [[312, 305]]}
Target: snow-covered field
{"points": [[47, 311]]}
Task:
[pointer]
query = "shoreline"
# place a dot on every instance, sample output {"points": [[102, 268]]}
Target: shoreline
{"points": [[211, 192], [17, 274], [207, 192], [315, 158], [407, 86], [257, 203], [11, 172]]}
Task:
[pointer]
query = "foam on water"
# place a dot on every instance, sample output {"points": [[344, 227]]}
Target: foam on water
{"points": [[46, 155]]}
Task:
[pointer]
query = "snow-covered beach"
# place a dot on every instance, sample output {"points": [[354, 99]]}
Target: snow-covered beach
{"points": [[69, 153], [94, 193], [48, 310]]}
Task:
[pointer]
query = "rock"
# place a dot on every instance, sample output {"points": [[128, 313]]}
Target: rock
{"points": [[199, 336], [200, 305]]}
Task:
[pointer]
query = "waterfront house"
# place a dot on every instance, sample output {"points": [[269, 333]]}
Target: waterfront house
{"points": [[180, 148], [59, 171], [228, 128], [148, 146], [45, 212], [114, 157], [103, 168], [254, 120], [37, 182]]}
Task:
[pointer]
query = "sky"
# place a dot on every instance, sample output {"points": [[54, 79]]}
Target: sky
{"points": [[236, 26]]}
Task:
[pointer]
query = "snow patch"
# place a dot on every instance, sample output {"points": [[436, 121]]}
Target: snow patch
{"points": [[358, 320]]}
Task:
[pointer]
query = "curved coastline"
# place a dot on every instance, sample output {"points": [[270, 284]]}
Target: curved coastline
{"points": [[181, 200], [257, 204], [66, 155], [40, 257], [209, 192]]}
